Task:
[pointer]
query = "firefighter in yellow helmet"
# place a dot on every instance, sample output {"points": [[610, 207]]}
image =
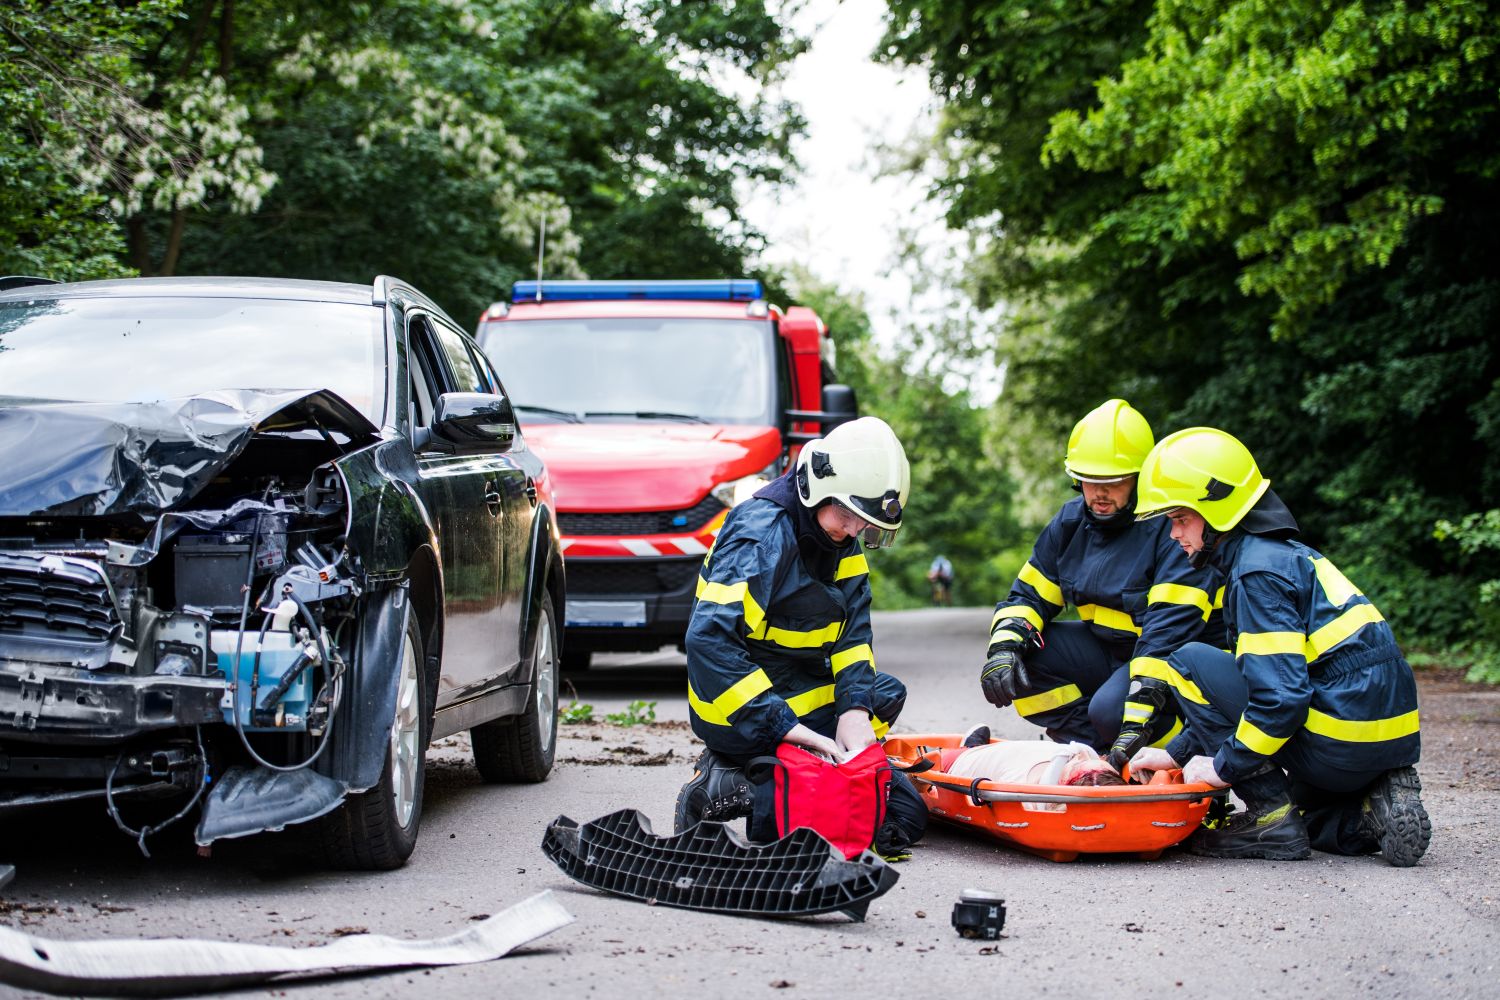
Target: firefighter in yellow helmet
{"points": [[1099, 681], [1312, 716]]}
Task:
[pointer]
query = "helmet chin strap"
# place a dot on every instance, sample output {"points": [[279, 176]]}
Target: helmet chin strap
{"points": [[1200, 559]]}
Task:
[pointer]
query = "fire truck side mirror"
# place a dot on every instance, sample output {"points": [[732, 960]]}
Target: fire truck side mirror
{"points": [[839, 406]]}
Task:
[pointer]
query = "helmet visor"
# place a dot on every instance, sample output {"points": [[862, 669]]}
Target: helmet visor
{"points": [[1099, 479], [872, 536], [884, 512]]}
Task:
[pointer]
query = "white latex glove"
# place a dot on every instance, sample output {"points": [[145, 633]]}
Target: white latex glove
{"points": [[854, 731], [817, 743], [1152, 759], [1202, 769]]}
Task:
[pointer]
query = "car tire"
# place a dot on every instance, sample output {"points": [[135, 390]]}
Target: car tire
{"points": [[376, 830], [521, 748]]}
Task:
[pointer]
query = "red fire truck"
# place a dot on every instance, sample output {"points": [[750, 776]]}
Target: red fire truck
{"points": [[657, 405]]}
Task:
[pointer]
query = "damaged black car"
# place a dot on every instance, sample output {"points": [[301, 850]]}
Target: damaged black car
{"points": [[261, 541]]}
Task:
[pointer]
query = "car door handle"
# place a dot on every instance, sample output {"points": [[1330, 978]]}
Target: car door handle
{"points": [[492, 498], [531, 490]]}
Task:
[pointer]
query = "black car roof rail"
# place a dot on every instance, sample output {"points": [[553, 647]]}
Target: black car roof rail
{"points": [[10, 281]]}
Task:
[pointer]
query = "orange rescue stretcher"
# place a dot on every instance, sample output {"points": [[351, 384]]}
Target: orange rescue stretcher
{"points": [[1058, 822]]}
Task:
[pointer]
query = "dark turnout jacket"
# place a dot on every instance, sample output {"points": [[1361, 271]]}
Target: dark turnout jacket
{"points": [[1319, 662], [1129, 580], [780, 631]]}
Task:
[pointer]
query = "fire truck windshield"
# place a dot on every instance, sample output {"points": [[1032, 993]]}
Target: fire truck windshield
{"points": [[720, 371]]}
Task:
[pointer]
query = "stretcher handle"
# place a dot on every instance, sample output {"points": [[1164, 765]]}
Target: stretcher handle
{"points": [[986, 795]]}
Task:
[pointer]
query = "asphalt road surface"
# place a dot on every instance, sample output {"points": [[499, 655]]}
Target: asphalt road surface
{"points": [[1178, 926]]}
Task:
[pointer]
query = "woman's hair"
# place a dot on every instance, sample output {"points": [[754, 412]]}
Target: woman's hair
{"points": [[1095, 776]]}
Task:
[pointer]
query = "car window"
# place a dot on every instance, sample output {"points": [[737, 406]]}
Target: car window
{"points": [[486, 373], [141, 348], [460, 362], [426, 374]]}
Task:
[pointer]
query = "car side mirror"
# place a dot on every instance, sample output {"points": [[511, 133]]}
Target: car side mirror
{"points": [[474, 421], [839, 406]]}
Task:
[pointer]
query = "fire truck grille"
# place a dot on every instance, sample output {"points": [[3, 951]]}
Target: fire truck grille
{"points": [[593, 576], [55, 595], [653, 522]]}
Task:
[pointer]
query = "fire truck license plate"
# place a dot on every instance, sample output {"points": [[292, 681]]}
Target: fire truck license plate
{"points": [[600, 613]]}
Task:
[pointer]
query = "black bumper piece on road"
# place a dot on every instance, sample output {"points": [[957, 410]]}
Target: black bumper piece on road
{"points": [[709, 867]]}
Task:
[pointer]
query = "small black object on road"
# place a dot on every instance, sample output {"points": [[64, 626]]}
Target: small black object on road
{"points": [[979, 913]]}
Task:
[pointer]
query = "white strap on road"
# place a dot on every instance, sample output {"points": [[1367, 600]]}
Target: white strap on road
{"points": [[159, 967]]}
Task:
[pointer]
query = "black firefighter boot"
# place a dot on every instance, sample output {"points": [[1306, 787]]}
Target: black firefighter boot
{"points": [[1270, 828], [717, 791], [1392, 814]]}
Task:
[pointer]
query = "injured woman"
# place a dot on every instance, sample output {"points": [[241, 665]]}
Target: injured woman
{"points": [[1026, 762]]}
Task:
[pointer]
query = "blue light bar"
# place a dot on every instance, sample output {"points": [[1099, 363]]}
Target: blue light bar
{"points": [[713, 290]]}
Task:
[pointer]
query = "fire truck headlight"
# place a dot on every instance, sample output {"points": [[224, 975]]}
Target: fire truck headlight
{"points": [[734, 492]]}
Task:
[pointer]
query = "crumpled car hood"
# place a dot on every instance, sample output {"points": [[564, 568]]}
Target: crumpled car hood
{"points": [[92, 459]]}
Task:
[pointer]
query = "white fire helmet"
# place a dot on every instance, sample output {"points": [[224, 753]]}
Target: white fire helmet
{"points": [[861, 466]]}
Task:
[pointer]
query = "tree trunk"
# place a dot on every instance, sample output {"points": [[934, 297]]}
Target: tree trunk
{"points": [[226, 39], [174, 244], [139, 246]]}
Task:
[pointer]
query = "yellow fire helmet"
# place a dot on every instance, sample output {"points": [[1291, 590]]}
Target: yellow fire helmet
{"points": [[862, 466], [1108, 444], [1204, 469]]}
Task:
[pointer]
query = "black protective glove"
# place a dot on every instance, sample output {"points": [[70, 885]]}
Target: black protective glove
{"points": [[1146, 698], [1003, 677]]}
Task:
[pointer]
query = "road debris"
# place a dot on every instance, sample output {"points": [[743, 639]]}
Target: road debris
{"points": [[711, 868], [165, 967]]}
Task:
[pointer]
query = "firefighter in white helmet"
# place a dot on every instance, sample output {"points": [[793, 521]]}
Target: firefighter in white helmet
{"points": [[1101, 680], [779, 646]]}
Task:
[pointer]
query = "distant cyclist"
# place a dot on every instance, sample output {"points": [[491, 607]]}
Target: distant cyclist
{"points": [[940, 575]]}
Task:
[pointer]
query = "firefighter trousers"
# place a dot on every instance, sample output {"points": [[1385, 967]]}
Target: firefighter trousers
{"points": [[1078, 686], [1329, 797]]}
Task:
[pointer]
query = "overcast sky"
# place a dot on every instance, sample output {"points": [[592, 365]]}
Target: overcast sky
{"points": [[838, 219]]}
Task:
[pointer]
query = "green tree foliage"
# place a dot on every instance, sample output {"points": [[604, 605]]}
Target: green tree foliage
{"points": [[431, 138], [53, 221], [425, 138], [1274, 217]]}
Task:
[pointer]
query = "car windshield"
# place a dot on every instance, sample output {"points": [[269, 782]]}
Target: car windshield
{"points": [[716, 370], [136, 350]]}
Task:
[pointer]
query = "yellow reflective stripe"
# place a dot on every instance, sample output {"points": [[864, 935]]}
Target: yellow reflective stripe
{"points": [[810, 701], [1355, 731], [849, 657], [732, 593], [1006, 635], [1049, 591], [1271, 644], [851, 566], [1150, 666], [1108, 617], [1137, 712], [794, 639], [1017, 611], [1178, 593], [1257, 739], [1341, 628], [737, 697], [1171, 734], [880, 726], [1047, 700], [1336, 586], [1219, 599]]}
